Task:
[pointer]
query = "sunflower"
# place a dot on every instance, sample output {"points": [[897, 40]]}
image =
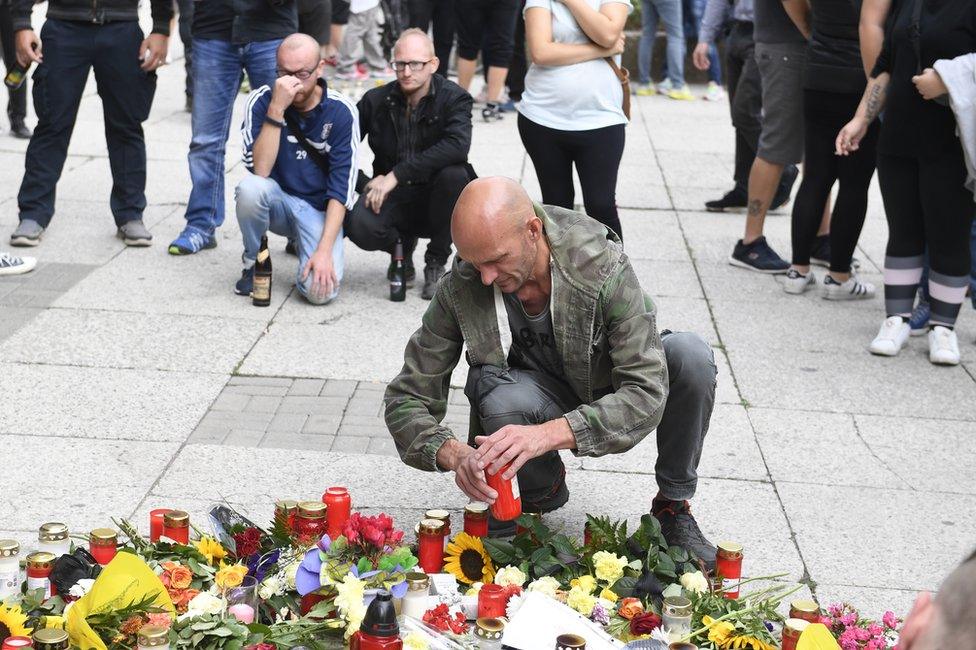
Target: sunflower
{"points": [[467, 560], [12, 622]]}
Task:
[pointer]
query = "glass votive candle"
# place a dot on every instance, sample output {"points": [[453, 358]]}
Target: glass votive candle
{"points": [[242, 601], [153, 637], [156, 523], [52, 537], [676, 617]]}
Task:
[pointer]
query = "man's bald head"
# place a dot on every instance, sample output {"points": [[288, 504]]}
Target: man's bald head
{"points": [[411, 39], [495, 228], [299, 43]]}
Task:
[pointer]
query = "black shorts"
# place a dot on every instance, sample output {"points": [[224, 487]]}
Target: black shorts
{"points": [[487, 26], [340, 12]]}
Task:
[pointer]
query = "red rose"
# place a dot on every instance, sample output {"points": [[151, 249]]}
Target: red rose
{"points": [[644, 623], [248, 542]]}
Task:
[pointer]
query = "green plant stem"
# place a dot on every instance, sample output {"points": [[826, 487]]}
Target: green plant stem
{"points": [[747, 610]]}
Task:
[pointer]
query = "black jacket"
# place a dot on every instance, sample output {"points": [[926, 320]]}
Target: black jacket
{"points": [[244, 21], [444, 123], [95, 11]]}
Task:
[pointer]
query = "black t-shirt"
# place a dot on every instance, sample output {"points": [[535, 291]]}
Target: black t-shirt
{"points": [[834, 59], [913, 126], [244, 21], [773, 25]]}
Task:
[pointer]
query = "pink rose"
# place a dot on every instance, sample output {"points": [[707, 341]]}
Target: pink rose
{"points": [[890, 620], [861, 634], [875, 630], [849, 619]]}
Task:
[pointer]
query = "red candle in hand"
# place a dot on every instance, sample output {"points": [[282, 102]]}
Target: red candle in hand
{"points": [[508, 505]]}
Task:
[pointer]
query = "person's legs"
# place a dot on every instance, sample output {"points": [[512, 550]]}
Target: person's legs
{"points": [[216, 79], [670, 13], [499, 45], [471, 17], [339, 18], [351, 49], [186, 36], [372, 41], [898, 178], [17, 104], [645, 47], [443, 27], [260, 60], [419, 13], [597, 154], [715, 61], [854, 172], [553, 163], [519, 66], [445, 188], [308, 224], [261, 207], [58, 85], [745, 100]]}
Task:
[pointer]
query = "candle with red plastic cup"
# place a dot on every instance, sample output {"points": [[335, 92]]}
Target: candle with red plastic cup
{"points": [[431, 545], [103, 544], [17, 642], [39, 567], [728, 565], [508, 505], [339, 507], [492, 600], [285, 512], [156, 523], [176, 526], [476, 519]]}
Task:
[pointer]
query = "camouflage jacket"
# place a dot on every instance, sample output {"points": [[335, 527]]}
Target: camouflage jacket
{"points": [[605, 332]]}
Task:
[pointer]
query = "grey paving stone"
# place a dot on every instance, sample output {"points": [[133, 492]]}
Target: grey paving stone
{"points": [[378, 428], [287, 423], [312, 405], [244, 438], [297, 441], [232, 402], [339, 388], [257, 389], [349, 444], [364, 407], [208, 434], [309, 387], [263, 404], [319, 424], [383, 447], [243, 380], [233, 420], [12, 319]]}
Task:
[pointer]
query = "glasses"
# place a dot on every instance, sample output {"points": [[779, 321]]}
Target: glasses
{"points": [[299, 74], [415, 66]]}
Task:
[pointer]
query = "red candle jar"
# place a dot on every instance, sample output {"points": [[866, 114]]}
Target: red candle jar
{"points": [[17, 642], [441, 515], [310, 522], [587, 535], [176, 526], [339, 507], [156, 523], [806, 610], [728, 565], [508, 505], [285, 512], [476, 519], [39, 567], [103, 544], [792, 630], [430, 539], [492, 600]]}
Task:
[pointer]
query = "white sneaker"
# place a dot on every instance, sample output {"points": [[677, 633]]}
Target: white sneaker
{"points": [[891, 337], [943, 346], [665, 87], [714, 93], [11, 265], [852, 289], [796, 283]]}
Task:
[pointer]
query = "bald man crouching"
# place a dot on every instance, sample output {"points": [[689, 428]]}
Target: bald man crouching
{"points": [[564, 353]]}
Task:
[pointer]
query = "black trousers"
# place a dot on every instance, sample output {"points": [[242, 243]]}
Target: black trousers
{"points": [[745, 98], [520, 65], [411, 211], [440, 13], [596, 154], [71, 50], [17, 104], [488, 26], [186, 37], [825, 114]]}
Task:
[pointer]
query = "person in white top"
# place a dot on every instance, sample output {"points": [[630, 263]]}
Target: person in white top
{"points": [[571, 111], [362, 38]]}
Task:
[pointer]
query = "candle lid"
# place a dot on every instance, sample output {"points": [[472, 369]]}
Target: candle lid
{"points": [[476, 508], [176, 519], [677, 606], [153, 635], [437, 513], [288, 505], [105, 536], [794, 627], [41, 559], [311, 509], [53, 531], [417, 581], [432, 527], [805, 606], [50, 636], [570, 642], [336, 490], [733, 549], [9, 547], [489, 628]]}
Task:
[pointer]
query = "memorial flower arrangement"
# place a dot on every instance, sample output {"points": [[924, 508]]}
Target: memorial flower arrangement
{"points": [[853, 632]]}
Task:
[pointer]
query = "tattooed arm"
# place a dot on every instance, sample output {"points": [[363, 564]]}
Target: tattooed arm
{"points": [[872, 103]]}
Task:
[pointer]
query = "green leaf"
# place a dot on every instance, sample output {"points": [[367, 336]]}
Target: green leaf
{"points": [[562, 544], [624, 587], [501, 551], [678, 554], [364, 565], [540, 554], [672, 590], [665, 563]]}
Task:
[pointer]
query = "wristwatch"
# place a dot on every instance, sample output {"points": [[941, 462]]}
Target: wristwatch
{"points": [[274, 122]]}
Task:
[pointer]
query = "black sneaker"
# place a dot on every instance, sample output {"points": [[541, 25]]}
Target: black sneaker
{"points": [[20, 130], [733, 199], [758, 256], [291, 248], [782, 196], [432, 274], [245, 285], [410, 273], [679, 528], [490, 113]]}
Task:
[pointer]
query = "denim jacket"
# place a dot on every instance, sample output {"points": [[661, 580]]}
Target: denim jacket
{"points": [[605, 329]]}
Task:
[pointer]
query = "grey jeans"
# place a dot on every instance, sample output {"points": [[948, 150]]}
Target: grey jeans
{"points": [[512, 396]]}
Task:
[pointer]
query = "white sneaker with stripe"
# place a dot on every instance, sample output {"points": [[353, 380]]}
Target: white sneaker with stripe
{"points": [[852, 289]]}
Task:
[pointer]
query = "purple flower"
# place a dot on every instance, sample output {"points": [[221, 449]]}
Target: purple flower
{"points": [[600, 615], [258, 565], [308, 578]]}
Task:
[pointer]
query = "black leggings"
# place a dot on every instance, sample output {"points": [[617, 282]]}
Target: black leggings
{"points": [[825, 114], [596, 154], [440, 13], [488, 26]]}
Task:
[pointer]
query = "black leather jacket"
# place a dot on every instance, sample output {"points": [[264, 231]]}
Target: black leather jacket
{"points": [[443, 130], [95, 11]]}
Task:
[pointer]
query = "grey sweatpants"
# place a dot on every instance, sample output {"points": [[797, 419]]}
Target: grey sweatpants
{"points": [[512, 396], [362, 35]]}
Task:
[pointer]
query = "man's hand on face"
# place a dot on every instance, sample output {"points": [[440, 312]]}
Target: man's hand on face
{"points": [[513, 443], [284, 92], [378, 189], [152, 52]]}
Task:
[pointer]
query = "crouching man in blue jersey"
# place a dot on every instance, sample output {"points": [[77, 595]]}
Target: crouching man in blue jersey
{"points": [[300, 142]]}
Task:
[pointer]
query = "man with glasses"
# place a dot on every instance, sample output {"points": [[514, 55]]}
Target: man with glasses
{"points": [[300, 141], [229, 38], [419, 129]]}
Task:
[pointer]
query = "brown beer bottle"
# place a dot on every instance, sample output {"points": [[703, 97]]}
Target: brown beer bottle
{"points": [[261, 293]]}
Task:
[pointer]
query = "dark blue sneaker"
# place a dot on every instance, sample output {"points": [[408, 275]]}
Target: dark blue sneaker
{"points": [[507, 107], [919, 321], [758, 256], [192, 240], [245, 285]]}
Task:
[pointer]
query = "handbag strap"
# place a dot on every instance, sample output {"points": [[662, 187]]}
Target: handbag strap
{"points": [[915, 34], [291, 119]]}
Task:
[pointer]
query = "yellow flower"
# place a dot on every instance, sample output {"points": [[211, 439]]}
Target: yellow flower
{"points": [[581, 600], [467, 560], [750, 642], [212, 550], [586, 583], [606, 594], [719, 633], [349, 600], [231, 576], [608, 567], [510, 576], [13, 622], [415, 641]]}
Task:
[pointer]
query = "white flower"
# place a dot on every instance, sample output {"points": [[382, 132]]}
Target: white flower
{"points": [[273, 585], [509, 576], [415, 641], [546, 585], [290, 572], [81, 588], [514, 603], [202, 604], [695, 582]]}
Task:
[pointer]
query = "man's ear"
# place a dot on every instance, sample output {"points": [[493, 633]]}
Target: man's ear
{"points": [[435, 63]]}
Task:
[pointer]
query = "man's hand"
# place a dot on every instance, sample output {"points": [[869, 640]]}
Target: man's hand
{"points": [[28, 47], [463, 461], [930, 84], [283, 95], [152, 52], [700, 56], [322, 272], [518, 444], [378, 189]]}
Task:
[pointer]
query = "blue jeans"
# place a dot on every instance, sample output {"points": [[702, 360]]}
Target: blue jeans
{"points": [[262, 206], [669, 12], [217, 70], [694, 10]]}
